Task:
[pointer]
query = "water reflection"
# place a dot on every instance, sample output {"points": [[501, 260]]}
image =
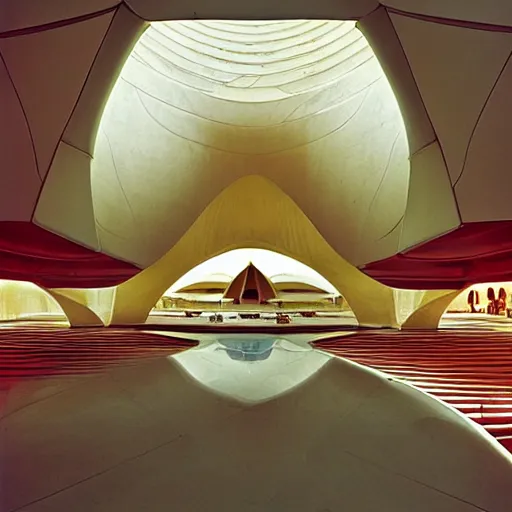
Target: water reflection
{"points": [[251, 368], [248, 350]]}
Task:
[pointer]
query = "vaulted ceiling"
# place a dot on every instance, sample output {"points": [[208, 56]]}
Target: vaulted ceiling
{"points": [[387, 124]]}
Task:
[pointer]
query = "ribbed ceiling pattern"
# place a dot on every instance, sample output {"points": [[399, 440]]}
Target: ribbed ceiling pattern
{"points": [[253, 61]]}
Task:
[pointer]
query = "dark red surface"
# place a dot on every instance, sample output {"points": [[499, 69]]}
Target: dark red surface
{"points": [[30, 253], [472, 371], [39, 352], [474, 253]]}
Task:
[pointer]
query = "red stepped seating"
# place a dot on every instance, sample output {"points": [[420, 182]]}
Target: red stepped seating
{"points": [[472, 371], [28, 353]]}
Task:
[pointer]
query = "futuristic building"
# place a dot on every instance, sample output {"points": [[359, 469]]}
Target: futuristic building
{"points": [[298, 289], [132, 152], [368, 140]]}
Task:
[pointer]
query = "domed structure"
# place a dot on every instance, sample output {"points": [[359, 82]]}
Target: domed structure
{"points": [[125, 135]]}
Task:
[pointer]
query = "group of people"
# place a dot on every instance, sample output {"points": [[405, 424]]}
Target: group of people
{"points": [[497, 303]]}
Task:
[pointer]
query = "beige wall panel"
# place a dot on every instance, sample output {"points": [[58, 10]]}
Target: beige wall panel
{"points": [[124, 32], [48, 70], [116, 222], [483, 191], [19, 179], [498, 12], [65, 205], [381, 35], [431, 208], [153, 10], [455, 69], [20, 14], [429, 312], [231, 222]]}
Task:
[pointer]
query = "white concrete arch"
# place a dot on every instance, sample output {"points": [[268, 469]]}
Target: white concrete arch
{"points": [[282, 227]]}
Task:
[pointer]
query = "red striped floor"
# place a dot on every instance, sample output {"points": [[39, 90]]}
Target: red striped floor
{"points": [[32, 352], [472, 371]]}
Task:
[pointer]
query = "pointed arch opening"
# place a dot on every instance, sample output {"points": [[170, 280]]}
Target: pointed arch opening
{"points": [[253, 284]]}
